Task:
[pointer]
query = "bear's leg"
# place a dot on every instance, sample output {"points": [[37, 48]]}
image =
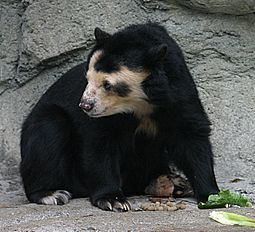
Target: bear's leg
{"points": [[45, 151], [102, 173], [195, 159], [105, 190]]}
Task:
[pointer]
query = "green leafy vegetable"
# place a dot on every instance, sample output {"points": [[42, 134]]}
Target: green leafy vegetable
{"points": [[224, 198], [232, 219]]}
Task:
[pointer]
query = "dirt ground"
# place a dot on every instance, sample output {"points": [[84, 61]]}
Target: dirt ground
{"points": [[17, 215]]}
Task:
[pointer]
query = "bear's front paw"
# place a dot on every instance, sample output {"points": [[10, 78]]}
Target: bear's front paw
{"points": [[117, 205]]}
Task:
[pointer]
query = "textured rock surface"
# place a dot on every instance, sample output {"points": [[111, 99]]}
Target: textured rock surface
{"points": [[78, 215], [235, 7], [10, 21], [40, 40]]}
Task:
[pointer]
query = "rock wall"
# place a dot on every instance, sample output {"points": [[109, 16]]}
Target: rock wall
{"points": [[235, 7], [40, 40]]}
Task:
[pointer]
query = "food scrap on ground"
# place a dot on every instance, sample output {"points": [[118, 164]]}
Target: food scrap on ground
{"points": [[174, 184], [161, 204], [225, 198], [227, 218], [164, 189]]}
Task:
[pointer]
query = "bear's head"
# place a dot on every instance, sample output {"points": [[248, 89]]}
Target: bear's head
{"points": [[117, 67]]}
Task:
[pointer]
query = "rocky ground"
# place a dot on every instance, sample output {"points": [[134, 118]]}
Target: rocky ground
{"points": [[79, 215]]}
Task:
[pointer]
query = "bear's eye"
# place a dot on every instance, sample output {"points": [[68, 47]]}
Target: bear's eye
{"points": [[107, 85]]}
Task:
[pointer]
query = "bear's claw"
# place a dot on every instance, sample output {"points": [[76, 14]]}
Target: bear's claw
{"points": [[113, 205]]}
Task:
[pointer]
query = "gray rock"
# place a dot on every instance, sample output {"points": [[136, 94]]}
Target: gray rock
{"points": [[235, 7], [52, 30], [10, 21]]}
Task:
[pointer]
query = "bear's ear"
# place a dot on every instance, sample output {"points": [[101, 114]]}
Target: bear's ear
{"points": [[157, 54], [101, 36]]}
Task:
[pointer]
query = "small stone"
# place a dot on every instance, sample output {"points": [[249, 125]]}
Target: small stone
{"points": [[181, 205], [165, 207], [145, 206], [151, 208], [169, 204], [160, 208], [174, 208], [157, 203]]}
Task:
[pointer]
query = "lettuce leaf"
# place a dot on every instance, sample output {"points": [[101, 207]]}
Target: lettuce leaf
{"points": [[227, 218], [224, 198]]}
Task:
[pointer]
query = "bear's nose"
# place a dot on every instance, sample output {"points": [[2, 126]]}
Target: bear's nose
{"points": [[86, 105]]}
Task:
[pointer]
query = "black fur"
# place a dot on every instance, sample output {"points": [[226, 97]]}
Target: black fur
{"points": [[122, 89], [104, 158]]}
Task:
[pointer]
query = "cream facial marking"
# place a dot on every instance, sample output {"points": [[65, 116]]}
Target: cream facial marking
{"points": [[118, 92], [124, 93]]}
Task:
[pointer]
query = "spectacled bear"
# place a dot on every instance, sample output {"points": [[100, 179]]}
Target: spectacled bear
{"points": [[111, 125]]}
